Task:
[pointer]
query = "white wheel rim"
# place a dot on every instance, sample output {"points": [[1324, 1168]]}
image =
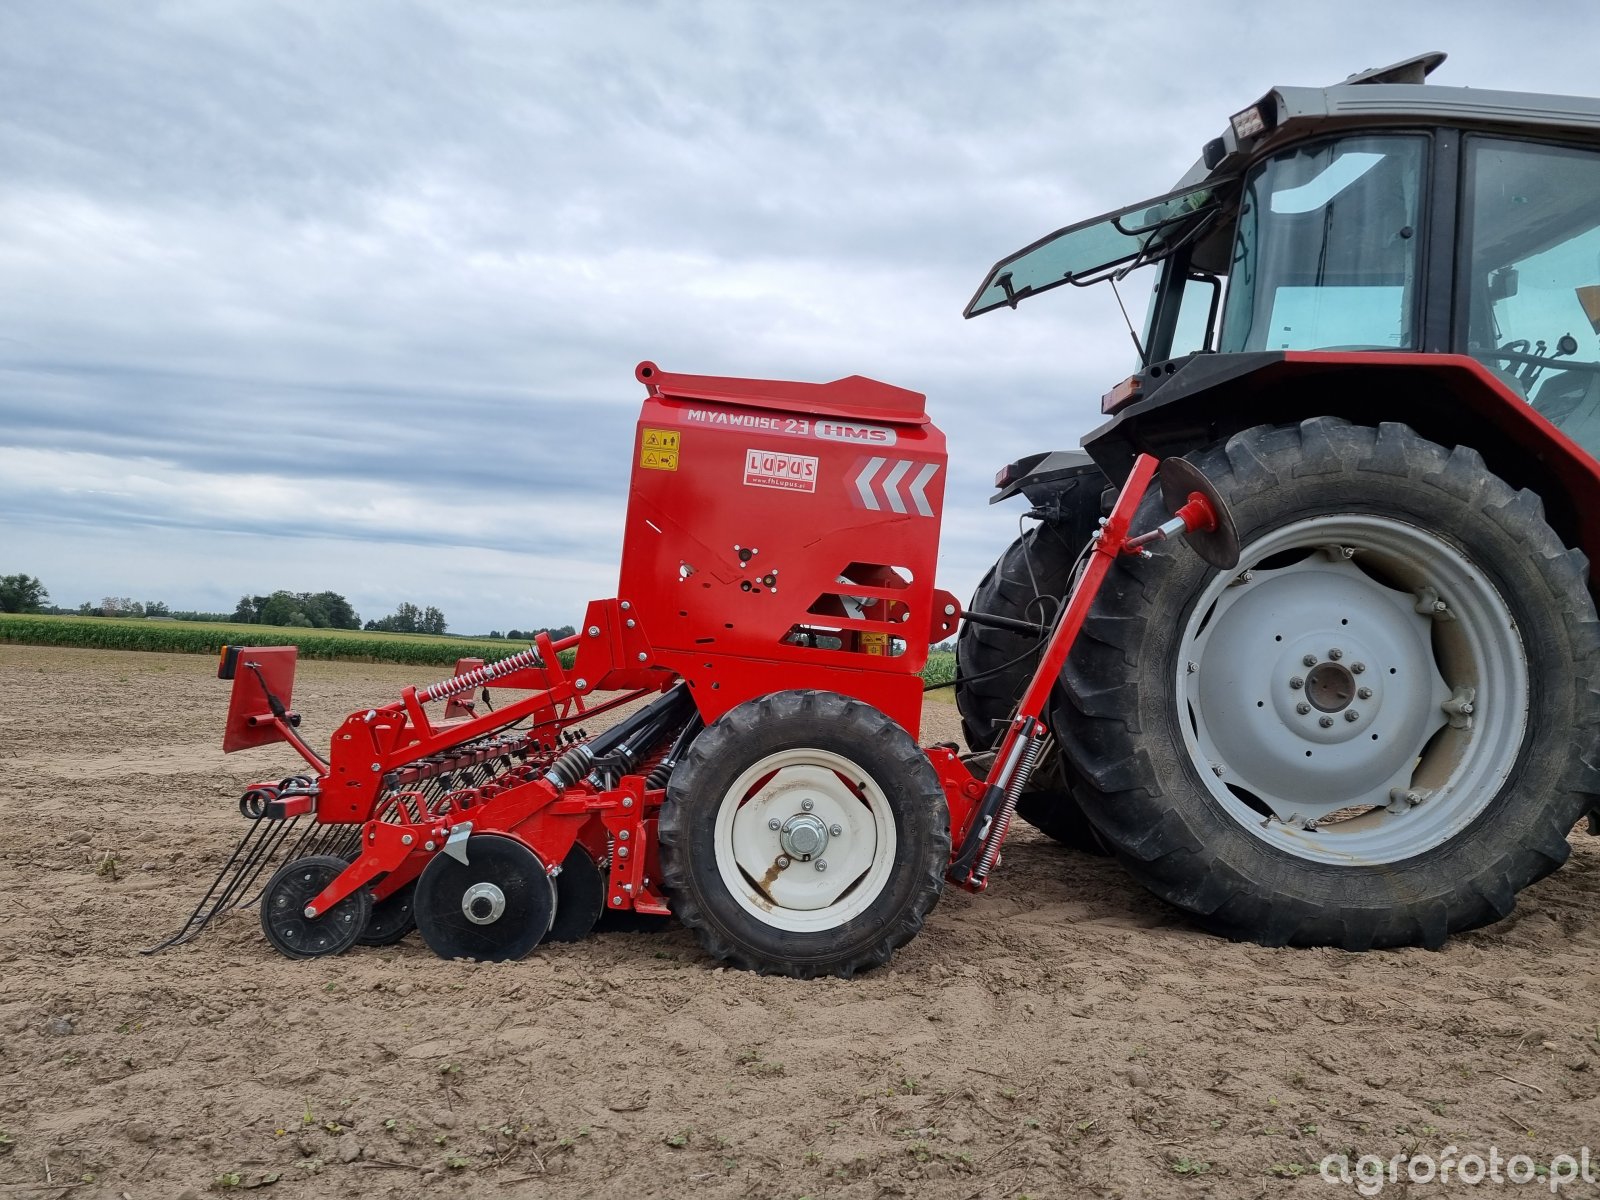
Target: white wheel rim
{"points": [[1332, 785], [798, 790]]}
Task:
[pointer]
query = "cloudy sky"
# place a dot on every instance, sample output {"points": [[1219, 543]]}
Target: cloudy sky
{"points": [[344, 295]]}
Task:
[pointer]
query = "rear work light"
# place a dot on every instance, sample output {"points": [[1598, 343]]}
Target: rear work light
{"points": [[1124, 393]]}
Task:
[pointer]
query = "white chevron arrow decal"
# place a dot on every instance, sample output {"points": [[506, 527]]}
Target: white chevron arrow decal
{"points": [[864, 483], [894, 491]]}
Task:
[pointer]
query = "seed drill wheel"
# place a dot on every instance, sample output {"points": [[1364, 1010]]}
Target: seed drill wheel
{"points": [[496, 907], [283, 904], [804, 834], [392, 918], [580, 897], [1376, 728]]}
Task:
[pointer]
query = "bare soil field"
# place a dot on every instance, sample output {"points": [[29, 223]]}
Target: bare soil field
{"points": [[1063, 1035]]}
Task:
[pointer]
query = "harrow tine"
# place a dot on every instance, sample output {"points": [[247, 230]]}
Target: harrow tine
{"points": [[255, 849]]}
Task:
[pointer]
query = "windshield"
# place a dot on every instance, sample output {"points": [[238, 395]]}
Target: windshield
{"points": [[1326, 249], [1084, 253], [1533, 276]]}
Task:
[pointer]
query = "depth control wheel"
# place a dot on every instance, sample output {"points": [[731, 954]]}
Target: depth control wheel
{"points": [[283, 905], [392, 918], [494, 908], [804, 834]]}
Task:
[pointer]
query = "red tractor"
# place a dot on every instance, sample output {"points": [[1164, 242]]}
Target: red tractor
{"points": [[1355, 711], [1374, 327]]}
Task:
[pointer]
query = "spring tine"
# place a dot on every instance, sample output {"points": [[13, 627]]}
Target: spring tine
{"points": [[253, 849]]}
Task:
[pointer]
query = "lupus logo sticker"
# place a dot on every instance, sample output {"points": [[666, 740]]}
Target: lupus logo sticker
{"points": [[786, 472]]}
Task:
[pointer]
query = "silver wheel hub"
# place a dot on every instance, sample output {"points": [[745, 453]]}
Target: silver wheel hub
{"points": [[483, 904], [1317, 687], [803, 836]]}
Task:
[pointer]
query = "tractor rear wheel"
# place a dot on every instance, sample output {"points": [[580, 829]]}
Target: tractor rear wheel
{"points": [[993, 666], [1377, 729], [803, 834]]}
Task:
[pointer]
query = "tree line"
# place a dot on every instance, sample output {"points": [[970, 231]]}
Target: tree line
{"points": [[294, 610]]}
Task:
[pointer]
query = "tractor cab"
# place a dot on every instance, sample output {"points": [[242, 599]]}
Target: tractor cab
{"points": [[1381, 215]]}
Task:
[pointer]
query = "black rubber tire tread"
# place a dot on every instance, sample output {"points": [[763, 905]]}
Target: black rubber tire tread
{"points": [[1119, 724], [993, 666], [343, 922], [786, 721]]}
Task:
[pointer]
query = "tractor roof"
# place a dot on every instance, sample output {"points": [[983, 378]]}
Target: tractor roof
{"points": [[1392, 95], [1197, 211]]}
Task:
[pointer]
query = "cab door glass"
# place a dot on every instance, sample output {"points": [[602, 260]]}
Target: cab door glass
{"points": [[1533, 276]]}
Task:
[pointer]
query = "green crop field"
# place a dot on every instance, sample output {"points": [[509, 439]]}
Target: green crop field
{"points": [[351, 645], [195, 637]]}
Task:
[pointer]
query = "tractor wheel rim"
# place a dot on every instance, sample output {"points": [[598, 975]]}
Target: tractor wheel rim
{"points": [[824, 806], [1333, 707]]}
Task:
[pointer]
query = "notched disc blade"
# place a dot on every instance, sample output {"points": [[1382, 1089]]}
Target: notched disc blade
{"points": [[1180, 478]]}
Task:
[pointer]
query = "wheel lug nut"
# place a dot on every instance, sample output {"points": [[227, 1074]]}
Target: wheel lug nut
{"points": [[1310, 660], [774, 824], [1302, 708], [783, 862], [1325, 722], [1357, 668], [807, 805], [1297, 682], [822, 864], [835, 830], [1351, 714], [1364, 693], [1336, 654]]}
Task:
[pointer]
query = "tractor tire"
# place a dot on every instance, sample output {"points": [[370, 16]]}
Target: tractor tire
{"points": [[1376, 730], [993, 666], [856, 862]]}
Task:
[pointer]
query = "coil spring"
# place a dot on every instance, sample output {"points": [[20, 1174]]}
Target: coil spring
{"points": [[462, 683], [1002, 824]]}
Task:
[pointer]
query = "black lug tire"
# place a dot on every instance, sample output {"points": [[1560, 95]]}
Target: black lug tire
{"points": [[993, 666], [283, 901], [580, 897], [529, 901], [393, 918], [1119, 724], [797, 720]]}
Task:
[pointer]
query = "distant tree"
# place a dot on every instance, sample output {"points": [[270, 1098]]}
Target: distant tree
{"points": [[248, 611], [514, 635], [299, 621], [21, 594], [280, 608], [496, 634], [156, 608], [120, 606], [329, 610], [408, 618]]}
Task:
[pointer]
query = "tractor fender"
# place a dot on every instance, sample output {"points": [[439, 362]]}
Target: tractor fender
{"points": [[1451, 399], [1060, 484]]}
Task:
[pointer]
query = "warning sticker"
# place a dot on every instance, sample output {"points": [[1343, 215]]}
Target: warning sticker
{"points": [[658, 449], [786, 472]]}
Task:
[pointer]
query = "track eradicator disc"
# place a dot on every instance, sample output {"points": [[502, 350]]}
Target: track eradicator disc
{"points": [[495, 907], [283, 904], [580, 897]]}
